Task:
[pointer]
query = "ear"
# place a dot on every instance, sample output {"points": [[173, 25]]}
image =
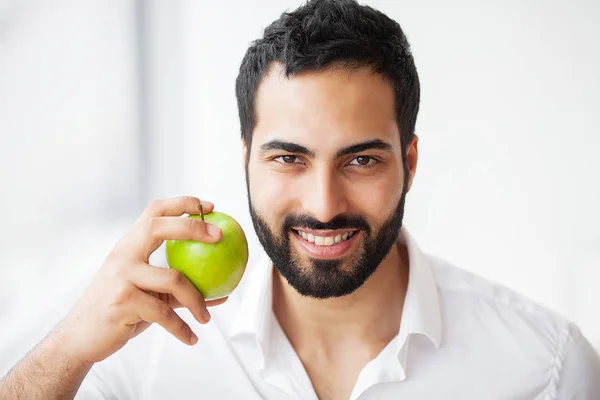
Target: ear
{"points": [[412, 157], [244, 154]]}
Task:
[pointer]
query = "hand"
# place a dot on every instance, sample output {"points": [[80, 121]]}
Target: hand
{"points": [[127, 294]]}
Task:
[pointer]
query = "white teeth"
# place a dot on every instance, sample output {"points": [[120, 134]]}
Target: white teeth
{"points": [[325, 240]]}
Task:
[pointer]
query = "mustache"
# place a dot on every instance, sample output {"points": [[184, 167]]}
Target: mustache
{"points": [[342, 221]]}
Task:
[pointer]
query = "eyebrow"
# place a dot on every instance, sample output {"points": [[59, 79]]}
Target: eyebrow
{"points": [[368, 145], [299, 149], [286, 146]]}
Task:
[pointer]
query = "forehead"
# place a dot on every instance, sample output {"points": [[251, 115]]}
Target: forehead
{"points": [[325, 110]]}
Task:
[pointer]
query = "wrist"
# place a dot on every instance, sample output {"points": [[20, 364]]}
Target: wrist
{"points": [[58, 347]]}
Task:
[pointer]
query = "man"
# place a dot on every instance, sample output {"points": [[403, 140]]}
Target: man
{"points": [[345, 305]]}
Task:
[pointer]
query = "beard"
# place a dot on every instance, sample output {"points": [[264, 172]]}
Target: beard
{"points": [[322, 279]]}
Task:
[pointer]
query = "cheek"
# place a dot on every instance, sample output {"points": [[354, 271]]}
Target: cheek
{"points": [[271, 193], [375, 196]]}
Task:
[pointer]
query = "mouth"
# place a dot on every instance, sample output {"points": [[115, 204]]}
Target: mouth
{"points": [[326, 244]]}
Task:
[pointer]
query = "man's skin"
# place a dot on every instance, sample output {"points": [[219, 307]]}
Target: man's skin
{"points": [[325, 111]]}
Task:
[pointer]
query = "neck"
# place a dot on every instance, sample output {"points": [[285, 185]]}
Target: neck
{"points": [[370, 316]]}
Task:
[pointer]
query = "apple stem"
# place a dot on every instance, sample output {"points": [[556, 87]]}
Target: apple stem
{"points": [[201, 212]]}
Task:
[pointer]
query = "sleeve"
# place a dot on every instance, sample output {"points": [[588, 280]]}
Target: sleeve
{"points": [[107, 380], [127, 373], [580, 372]]}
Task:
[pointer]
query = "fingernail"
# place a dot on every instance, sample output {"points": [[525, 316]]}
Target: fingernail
{"points": [[213, 231], [206, 316], [206, 204], [193, 339]]}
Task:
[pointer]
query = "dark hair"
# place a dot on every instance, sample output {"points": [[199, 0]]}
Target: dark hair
{"points": [[325, 33]]}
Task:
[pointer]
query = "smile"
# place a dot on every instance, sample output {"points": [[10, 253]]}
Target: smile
{"points": [[326, 245]]}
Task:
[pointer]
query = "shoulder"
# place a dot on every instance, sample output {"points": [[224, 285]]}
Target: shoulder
{"points": [[515, 331], [462, 289]]}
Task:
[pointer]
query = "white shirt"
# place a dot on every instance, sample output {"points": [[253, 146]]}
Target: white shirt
{"points": [[461, 337]]}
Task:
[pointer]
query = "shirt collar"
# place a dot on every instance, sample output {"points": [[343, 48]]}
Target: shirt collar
{"points": [[254, 317], [421, 313], [422, 310]]}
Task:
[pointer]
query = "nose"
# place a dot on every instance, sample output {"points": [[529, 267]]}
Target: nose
{"points": [[324, 196]]}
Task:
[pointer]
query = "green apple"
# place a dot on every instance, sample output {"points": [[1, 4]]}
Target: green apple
{"points": [[215, 269]]}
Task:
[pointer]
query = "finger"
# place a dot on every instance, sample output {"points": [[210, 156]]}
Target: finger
{"points": [[176, 206], [151, 309], [166, 280], [216, 302], [173, 302], [156, 230]]}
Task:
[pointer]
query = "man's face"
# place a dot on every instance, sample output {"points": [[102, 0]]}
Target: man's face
{"points": [[325, 177]]}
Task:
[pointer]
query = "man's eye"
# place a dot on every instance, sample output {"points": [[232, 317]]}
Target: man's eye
{"points": [[363, 161], [287, 159]]}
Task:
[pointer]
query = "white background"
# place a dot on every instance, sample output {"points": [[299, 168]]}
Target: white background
{"points": [[99, 114]]}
